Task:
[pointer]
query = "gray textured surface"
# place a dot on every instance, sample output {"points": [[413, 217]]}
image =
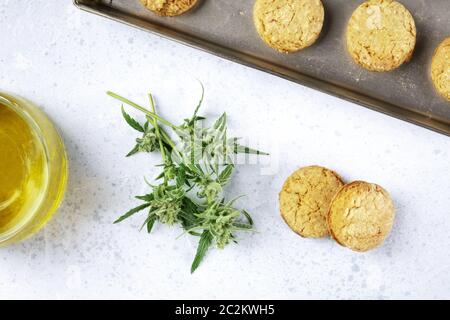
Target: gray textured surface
{"points": [[64, 60]]}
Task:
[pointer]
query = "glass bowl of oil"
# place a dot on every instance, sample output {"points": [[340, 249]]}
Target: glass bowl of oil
{"points": [[33, 169]]}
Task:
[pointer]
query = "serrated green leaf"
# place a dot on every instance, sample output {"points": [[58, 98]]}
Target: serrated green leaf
{"points": [[221, 123], [150, 223], [248, 217], [181, 176], [132, 212], [188, 214], [132, 123], [225, 175], [242, 225], [147, 197], [160, 176], [133, 151], [203, 246]]}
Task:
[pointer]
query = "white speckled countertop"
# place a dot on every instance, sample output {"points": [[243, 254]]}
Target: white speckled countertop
{"points": [[64, 60]]}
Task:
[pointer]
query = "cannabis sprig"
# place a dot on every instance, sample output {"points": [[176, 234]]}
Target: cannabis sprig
{"points": [[196, 167]]}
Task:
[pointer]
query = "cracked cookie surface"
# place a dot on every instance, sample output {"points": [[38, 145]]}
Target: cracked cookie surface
{"points": [[305, 198], [361, 216], [440, 69], [289, 25], [381, 35], [169, 7]]}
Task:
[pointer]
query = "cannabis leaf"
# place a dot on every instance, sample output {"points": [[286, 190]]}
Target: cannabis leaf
{"points": [[132, 212], [133, 123], [194, 172], [203, 246]]}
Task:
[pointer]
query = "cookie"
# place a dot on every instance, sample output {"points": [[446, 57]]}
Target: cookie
{"points": [[289, 25], [440, 69], [361, 216], [305, 199], [169, 8], [381, 35]]}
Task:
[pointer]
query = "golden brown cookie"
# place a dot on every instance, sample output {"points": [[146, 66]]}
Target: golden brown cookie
{"points": [[305, 199], [361, 216], [381, 35], [169, 7], [440, 69], [289, 25]]}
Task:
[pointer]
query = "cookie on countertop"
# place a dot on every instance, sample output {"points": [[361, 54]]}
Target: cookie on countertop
{"points": [[305, 199], [361, 216], [169, 8], [440, 69], [381, 35], [289, 25]]}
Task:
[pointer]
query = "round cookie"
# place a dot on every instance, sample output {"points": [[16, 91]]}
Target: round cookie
{"points": [[289, 25], [361, 216], [381, 35], [305, 199], [440, 69], [169, 8]]}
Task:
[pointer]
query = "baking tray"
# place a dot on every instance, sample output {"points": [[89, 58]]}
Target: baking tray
{"points": [[225, 28]]}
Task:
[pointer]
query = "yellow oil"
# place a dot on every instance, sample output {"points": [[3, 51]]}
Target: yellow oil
{"points": [[23, 170]]}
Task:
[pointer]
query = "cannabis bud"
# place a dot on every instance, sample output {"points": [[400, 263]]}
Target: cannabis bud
{"points": [[212, 191], [148, 142], [200, 160], [167, 203]]}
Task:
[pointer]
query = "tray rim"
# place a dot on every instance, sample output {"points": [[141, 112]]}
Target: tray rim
{"points": [[430, 122]]}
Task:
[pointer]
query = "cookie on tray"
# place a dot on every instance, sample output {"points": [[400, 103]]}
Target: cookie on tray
{"points": [[361, 216], [440, 69], [289, 25], [169, 8], [381, 35], [305, 199]]}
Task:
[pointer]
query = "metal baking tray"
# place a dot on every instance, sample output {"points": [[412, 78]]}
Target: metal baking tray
{"points": [[225, 28]]}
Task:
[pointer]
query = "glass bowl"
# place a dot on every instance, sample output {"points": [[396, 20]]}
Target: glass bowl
{"points": [[32, 190]]}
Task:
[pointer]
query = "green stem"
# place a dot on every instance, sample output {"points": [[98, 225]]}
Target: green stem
{"points": [[149, 113], [167, 138], [158, 133]]}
